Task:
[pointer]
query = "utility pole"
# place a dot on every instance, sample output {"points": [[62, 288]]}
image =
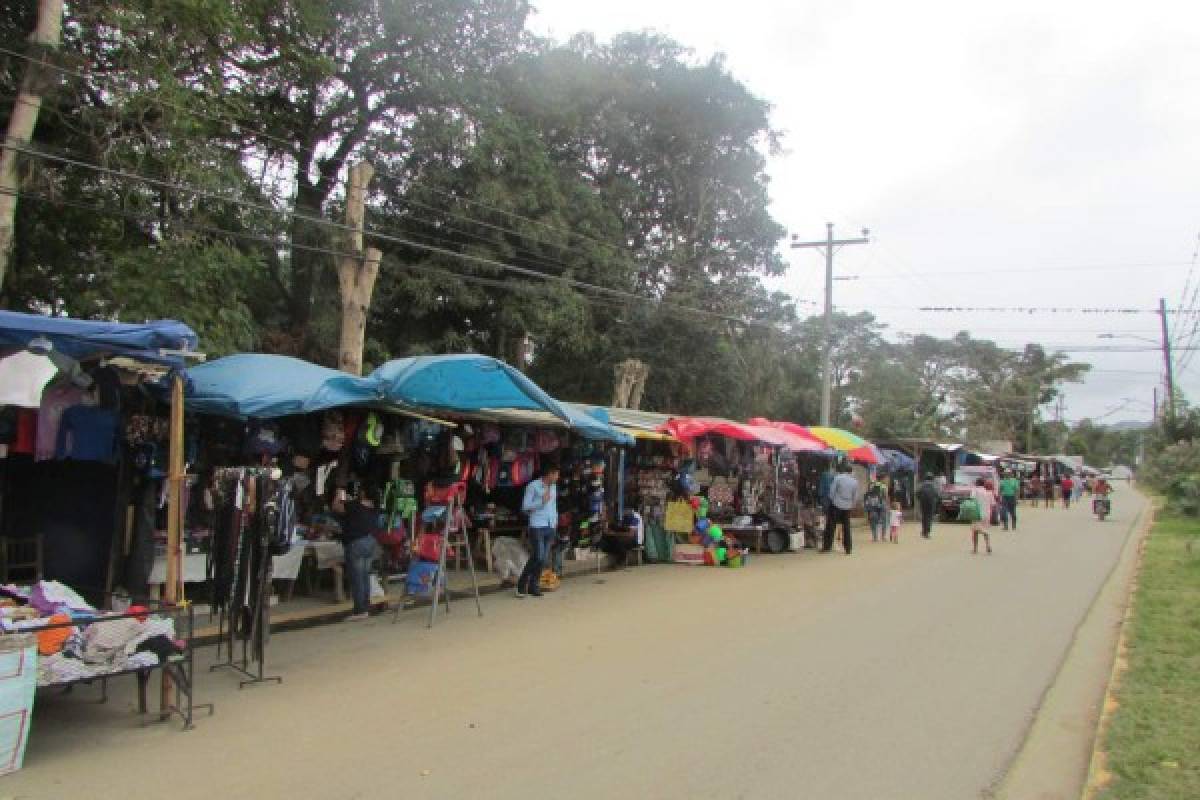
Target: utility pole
{"points": [[827, 360], [1034, 393], [1166, 349]]}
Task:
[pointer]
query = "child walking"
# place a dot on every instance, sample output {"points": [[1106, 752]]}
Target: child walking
{"points": [[895, 518], [979, 527]]}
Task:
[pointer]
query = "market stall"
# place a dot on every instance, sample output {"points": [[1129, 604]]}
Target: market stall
{"points": [[414, 433], [733, 472], [83, 437]]}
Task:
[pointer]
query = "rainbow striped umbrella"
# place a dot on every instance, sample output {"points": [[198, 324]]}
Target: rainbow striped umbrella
{"points": [[855, 447]]}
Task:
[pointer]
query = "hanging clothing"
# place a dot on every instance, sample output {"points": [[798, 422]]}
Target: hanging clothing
{"points": [[88, 433], [26, 434], [55, 401]]}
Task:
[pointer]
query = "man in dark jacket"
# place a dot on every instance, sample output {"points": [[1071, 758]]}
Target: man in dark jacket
{"points": [[928, 497]]}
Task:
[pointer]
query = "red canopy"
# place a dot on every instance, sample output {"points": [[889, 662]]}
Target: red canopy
{"points": [[689, 428], [866, 454]]}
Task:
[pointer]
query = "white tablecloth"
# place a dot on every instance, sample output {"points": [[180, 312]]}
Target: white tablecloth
{"points": [[285, 567], [193, 569]]}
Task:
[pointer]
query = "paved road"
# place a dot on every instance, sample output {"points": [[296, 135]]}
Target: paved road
{"points": [[903, 671]]}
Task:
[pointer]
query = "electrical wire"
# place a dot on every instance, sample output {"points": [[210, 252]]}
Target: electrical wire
{"points": [[295, 148]]}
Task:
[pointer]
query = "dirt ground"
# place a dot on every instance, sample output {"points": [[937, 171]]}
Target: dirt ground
{"points": [[903, 671]]}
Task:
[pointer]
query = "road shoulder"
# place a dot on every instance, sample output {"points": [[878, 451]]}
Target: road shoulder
{"points": [[1053, 761]]}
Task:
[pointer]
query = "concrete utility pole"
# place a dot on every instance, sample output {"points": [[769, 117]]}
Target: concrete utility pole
{"points": [[1166, 349], [356, 273], [46, 37], [827, 361]]}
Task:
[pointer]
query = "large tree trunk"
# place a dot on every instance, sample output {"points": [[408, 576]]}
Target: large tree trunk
{"points": [[46, 37], [356, 274]]}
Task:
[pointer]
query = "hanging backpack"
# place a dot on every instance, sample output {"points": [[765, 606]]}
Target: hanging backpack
{"points": [[873, 501]]}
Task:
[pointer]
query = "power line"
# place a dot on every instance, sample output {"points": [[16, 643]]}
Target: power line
{"points": [[381, 169], [380, 236], [507, 285], [1011, 270], [1036, 310]]}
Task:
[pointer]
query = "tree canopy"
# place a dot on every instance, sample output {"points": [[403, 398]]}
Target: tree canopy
{"points": [[561, 205]]}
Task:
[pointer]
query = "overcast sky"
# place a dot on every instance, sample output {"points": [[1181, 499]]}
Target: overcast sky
{"points": [[1002, 154]]}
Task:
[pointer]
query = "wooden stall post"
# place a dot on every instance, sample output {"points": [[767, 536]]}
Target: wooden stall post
{"points": [[172, 589]]}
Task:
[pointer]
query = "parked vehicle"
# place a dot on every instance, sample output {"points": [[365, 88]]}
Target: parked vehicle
{"points": [[964, 481]]}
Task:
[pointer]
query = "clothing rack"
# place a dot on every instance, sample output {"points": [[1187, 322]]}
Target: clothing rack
{"points": [[259, 505]]}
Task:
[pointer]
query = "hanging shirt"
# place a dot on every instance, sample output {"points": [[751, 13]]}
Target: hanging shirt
{"points": [[55, 400], [88, 433], [26, 433]]}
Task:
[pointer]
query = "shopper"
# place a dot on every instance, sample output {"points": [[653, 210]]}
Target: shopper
{"points": [[875, 503], [359, 519], [1068, 487], [979, 527], [541, 504], [823, 485], [895, 519], [1010, 489], [928, 498], [843, 494]]}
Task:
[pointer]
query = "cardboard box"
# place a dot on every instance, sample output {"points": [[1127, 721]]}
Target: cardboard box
{"points": [[689, 554]]}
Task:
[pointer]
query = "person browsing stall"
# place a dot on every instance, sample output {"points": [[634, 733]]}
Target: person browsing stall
{"points": [[359, 519], [541, 504], [843, 494]]}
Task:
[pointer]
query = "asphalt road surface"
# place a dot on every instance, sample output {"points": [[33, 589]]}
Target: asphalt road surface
{"points": [[903, 671]]}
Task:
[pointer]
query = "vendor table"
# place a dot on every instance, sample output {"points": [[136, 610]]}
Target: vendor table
{"points": [[493, 529], [324, 554], [757, 532]]}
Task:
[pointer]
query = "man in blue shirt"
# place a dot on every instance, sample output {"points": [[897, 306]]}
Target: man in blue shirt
{"points": [[541, 504], [843, 496]]}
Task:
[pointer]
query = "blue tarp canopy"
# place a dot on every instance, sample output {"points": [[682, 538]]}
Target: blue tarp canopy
{"points": [[84, 339], [256, 385], [466, 383], [901, 462], [253, 385]]}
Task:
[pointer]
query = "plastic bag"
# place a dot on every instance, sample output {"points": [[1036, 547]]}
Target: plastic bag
{"points": [[508, 557]]}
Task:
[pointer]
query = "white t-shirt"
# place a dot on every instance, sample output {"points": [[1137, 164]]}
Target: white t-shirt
{"points": [[896, 518]]}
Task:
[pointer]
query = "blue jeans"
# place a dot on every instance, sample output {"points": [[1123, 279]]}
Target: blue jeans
{"points": [[359, 555], [878, 520], [540, 540], [1008, 511]]}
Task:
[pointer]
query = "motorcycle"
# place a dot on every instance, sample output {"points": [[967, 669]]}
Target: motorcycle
{"points": [[1101, 506]]}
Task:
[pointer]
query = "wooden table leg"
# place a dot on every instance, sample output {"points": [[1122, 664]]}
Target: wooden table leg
{"points": [[339, 591]]}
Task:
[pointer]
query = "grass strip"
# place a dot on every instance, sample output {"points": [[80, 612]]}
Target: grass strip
{"points": [[1152, 745]]}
